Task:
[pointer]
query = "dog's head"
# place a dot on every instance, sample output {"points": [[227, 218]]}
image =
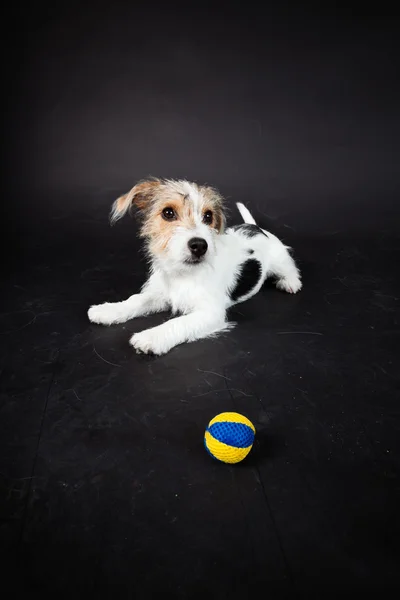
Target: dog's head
{"points": [[180, 220]]}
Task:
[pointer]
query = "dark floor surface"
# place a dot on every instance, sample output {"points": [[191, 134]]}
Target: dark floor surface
{"points": [[106, 489]]}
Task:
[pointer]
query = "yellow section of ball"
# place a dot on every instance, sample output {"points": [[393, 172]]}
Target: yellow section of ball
{"points": [[227, 454]]}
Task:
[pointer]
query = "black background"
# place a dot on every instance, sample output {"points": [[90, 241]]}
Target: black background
{"points": [[297, 114], [106, 489]]}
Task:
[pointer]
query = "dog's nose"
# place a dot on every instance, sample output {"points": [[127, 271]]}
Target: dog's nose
{"points": [[198, 247]]}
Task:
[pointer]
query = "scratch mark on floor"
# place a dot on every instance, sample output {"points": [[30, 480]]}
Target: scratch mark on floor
{"points": [[104, 360]]}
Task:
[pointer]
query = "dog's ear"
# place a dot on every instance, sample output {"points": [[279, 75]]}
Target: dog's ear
{"points": [[140, 196]]}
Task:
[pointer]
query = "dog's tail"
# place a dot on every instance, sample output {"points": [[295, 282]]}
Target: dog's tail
{"points": [[246, 214], [248, 218]]}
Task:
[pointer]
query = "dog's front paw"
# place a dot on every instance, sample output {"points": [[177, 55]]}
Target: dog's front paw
{"points": [[104, 314], [291, 285], [148, 342]]}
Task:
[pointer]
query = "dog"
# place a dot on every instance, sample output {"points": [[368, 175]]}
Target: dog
{"points": [[198, 268]]}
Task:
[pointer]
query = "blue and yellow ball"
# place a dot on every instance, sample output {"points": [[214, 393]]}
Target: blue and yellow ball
{"points": [[229, 437]]}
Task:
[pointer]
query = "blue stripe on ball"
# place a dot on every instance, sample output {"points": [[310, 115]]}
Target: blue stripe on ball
{"points": [[237, 435]]}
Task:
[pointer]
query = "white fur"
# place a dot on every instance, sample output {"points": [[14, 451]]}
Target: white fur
{"points": [[199, 293], [246, 214]]}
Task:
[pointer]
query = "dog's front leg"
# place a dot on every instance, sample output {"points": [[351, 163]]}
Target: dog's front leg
{"points": [[188, 328], [151, 300]]}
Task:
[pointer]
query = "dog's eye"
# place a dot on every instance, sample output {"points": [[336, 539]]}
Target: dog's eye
{"points": [[208, 217], [168, 214]]}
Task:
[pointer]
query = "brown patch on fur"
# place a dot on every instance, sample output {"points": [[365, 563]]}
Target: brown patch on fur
{"points": [[214, 202], [144, 193], [159, 230], [219, 221], [120, 203], [159, 233]]}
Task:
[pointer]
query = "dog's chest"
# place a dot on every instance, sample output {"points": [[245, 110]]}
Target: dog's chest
{"points": [[183, 297], [186, 294]]}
